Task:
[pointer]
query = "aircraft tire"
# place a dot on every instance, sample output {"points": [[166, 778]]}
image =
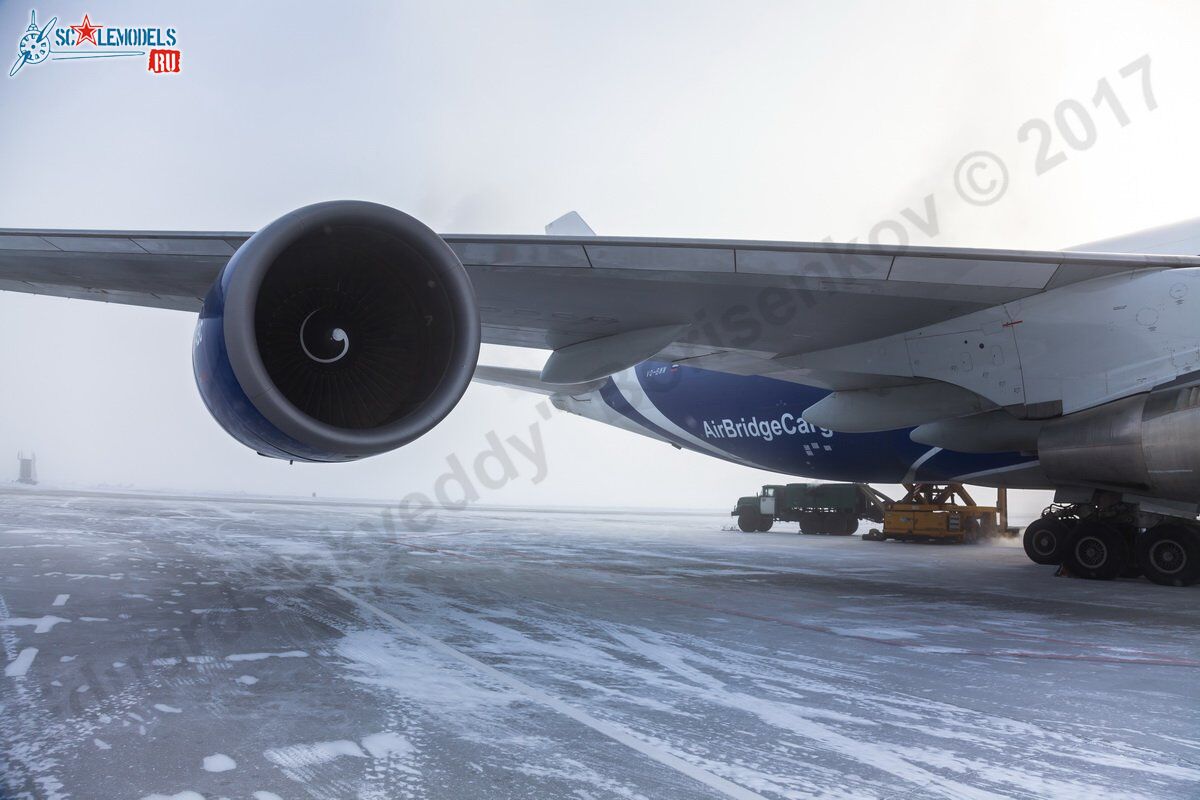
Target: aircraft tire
{"points": [[1169, 555], [1045, 539], [1096, 551]]}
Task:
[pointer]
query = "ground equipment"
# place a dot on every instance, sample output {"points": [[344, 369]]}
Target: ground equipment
{"points": [[941, 512], [829, 508]]}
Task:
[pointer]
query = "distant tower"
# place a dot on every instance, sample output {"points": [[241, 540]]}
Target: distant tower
{"points": [[28, 463]]}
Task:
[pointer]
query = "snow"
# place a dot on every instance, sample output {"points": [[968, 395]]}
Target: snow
{"points": [[587, 655], [60, 600], [262, 656], [382, 745], [306, 755], [219, 762]]}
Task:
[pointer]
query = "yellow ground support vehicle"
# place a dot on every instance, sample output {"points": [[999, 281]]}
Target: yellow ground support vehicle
{"points": [[942, 512]]}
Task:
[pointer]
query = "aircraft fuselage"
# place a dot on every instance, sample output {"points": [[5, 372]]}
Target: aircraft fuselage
{"points": [[756, 421]]}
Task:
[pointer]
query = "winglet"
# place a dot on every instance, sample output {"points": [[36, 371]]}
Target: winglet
{"points": [[569, 224]]}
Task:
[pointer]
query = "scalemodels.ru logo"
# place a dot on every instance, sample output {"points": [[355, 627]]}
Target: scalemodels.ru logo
{"points": [[53, 42]]}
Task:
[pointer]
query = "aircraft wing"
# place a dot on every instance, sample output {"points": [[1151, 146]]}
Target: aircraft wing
{"points": [[738, 306]]}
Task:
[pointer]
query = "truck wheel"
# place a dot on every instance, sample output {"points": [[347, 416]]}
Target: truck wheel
{"points": [[764, 524], [1096, 551], [1045, 540], [1170, 555], [748, 520]]}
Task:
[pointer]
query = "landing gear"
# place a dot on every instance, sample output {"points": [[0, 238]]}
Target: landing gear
{"points": [[1096, 550], [1109, 539], [1169, 554], [1045, 540]]}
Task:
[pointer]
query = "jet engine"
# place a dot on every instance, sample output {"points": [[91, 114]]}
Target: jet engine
{"points": [[339, 331], [1148, 444]]}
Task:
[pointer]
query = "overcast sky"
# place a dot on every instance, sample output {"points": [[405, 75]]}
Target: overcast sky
{"points": [[791, 120]]}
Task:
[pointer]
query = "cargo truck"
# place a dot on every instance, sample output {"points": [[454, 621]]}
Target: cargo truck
{"points": [[829, 508]]}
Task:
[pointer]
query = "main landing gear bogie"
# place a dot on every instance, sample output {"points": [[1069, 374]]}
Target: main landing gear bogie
{"points": [[1107, 543]]}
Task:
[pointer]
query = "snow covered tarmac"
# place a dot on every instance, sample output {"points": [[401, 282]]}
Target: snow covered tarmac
{"points": [[242, 649]]}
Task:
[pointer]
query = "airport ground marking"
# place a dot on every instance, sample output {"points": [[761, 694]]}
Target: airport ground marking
{"points": [[20, 665]]}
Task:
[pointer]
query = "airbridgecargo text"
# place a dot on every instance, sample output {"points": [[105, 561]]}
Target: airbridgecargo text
{"points": [[765, 429]]}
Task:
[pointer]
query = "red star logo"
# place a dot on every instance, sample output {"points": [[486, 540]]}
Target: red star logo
{"points": [[85, 31]]}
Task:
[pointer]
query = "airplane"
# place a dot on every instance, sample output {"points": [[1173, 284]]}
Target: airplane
{"points": [[346, 329]]}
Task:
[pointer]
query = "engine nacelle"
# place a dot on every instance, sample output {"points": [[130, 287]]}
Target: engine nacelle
{"points": [[1148, 444], [339, 331]]}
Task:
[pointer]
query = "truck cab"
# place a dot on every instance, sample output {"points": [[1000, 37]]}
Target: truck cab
{"points": [[757, 513], [766, 501]]}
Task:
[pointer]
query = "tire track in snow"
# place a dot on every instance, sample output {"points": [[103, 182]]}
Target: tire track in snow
{"points": [[617, 733]]}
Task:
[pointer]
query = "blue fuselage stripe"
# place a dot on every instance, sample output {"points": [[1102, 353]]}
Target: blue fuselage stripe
{"points": [[612, 396], [751, 419]]}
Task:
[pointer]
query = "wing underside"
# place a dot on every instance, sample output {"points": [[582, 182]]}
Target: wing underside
{"points": [[741, 306]]}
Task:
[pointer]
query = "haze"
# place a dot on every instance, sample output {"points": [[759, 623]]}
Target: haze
{"points": [[791, 121]]}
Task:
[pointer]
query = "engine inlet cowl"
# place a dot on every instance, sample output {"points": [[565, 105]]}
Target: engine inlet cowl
{"points": [[341, 330]]}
